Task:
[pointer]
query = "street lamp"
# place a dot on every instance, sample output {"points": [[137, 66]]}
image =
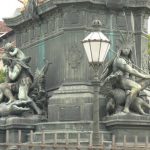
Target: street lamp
{"points": [[96, 46]]}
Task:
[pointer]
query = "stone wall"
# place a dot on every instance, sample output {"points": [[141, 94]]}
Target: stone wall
{"points": [[57, 35]]}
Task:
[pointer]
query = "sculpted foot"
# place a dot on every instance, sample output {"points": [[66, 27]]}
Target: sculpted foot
{"points": [[126, 110]]}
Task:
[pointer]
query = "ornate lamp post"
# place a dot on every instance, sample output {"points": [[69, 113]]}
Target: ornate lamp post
{"points": [[96, 46]]}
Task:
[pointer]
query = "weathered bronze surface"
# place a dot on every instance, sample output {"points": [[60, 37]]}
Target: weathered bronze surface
{"points": [[21, 90], [127, 83]]}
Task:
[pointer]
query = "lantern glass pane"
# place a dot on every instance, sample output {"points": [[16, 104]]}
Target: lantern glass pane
{"points": [[103, 51], [88, 50], [96, 45], [95, 48]]}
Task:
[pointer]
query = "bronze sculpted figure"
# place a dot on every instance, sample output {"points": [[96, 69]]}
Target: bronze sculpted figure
{"points": [[17, 70], [125, 87], [20, 82]]}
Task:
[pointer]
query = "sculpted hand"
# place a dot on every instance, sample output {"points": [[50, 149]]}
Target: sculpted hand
{"points": [[147, 76]]}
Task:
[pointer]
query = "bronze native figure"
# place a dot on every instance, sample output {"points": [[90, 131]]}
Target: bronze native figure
{"points": [[121, 73]]}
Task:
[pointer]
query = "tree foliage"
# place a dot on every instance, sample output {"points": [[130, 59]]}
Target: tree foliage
{"points": [[2, 76]]}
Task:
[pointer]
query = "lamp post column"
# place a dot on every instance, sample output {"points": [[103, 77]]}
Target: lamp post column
{"points": [[96, 46], [96, 88]]}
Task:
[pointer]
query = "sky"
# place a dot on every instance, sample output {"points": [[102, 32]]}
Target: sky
{"points": [[8, 7]]}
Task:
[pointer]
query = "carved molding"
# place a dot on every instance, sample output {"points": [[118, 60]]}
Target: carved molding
{"points": [[44, 27], [51, 24], [121, 23], [74, 56], [145, 57], [37, 30], [53, 4], [145, 23]]}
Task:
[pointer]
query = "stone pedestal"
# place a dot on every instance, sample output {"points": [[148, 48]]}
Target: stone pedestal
{"points": [[130, 125], [73, 102], [9, 130]]}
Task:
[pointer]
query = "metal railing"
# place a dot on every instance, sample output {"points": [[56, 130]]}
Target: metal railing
{"points": [[78, 144]]}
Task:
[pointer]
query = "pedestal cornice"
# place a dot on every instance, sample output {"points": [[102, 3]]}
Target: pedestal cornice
{"points": [[127, 121], [53, 4]]}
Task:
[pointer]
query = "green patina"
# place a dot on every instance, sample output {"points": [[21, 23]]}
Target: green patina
{"points": [[41, 51], [111, 37]]}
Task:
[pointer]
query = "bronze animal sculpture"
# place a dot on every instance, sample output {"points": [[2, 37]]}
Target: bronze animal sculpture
{"points": [[121, 75], [116, 101], [14, 108]]}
